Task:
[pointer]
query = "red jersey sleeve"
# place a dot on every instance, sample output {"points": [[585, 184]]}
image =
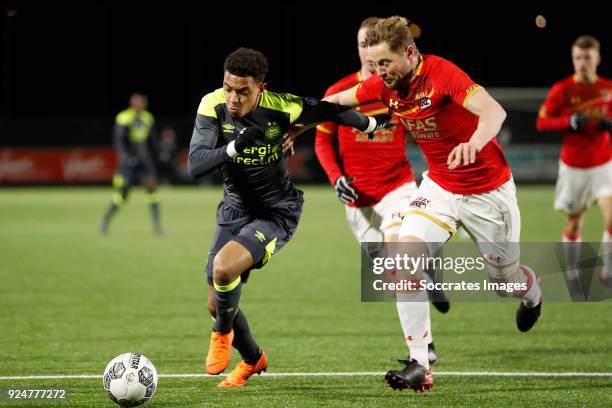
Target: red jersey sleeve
{"points": [[550, 118], [370, 90], [454, 83], [324, 148], [324, 145]]}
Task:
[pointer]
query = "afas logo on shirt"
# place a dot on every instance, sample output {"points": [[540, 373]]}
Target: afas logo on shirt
{"points": [[426, 125]]}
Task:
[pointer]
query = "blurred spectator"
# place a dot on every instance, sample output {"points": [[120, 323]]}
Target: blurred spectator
{"points": [[167, 156]]}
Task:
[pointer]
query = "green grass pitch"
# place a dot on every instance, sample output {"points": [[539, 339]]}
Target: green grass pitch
{"points": [[70, 300]]}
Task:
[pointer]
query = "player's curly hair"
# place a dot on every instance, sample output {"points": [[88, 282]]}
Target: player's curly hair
{"points": [[246, 62], [395, 31]]}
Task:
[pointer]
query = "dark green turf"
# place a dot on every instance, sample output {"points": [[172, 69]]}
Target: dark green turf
{"points": [[70, 300]]}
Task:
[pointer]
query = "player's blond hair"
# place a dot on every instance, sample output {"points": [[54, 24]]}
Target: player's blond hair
{"points": [[586, 42], [393, 30], [369, 22]]}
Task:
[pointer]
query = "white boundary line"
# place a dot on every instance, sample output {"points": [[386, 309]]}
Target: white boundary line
{"points": [[336, 374]]}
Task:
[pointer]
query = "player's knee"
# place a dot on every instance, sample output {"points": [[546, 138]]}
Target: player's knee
{"points": [[411, 251], [222, 274]]}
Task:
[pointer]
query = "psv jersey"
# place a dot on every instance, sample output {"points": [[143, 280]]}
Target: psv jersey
{"points": [[590, 146], [435, 116], [379, 165]]}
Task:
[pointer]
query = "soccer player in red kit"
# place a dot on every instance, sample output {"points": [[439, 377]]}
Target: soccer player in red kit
{"points": [[468, 184], [580, 106], [376, 181]]}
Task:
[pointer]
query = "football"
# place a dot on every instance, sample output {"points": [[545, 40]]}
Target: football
{"points": [[130, 379]]}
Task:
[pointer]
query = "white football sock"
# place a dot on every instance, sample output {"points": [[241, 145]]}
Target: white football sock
{"points": [[413, 311], [534, 293], [571, 252], [606, 251]]}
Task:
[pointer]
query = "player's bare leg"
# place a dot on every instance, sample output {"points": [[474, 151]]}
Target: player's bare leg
{"points": [[413, 308], [231, 261], [605, 203], [150, 185]]}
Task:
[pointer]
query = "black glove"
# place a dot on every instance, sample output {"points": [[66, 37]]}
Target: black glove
{"points": [[383, 121], [577, 121], [606, 124], [345, 192], [246, 138]]}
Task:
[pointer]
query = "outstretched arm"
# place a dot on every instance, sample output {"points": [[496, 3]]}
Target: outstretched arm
{"points": [[344, 98], [318, 111]]}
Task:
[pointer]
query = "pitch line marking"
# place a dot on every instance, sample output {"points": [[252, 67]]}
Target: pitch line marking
{"points": [[336, 374]]}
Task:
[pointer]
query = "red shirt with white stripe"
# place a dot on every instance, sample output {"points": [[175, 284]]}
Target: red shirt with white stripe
{"points": [[379, 165], [589, 146], [435, 116]]}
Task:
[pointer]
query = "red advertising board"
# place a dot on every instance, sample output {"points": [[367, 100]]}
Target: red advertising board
{"points": [[65, 165]]}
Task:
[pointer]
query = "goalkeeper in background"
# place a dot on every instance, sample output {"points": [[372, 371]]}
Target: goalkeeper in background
{"points": [[131, 133]]}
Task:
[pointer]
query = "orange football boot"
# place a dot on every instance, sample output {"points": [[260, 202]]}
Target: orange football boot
{"points": [[219, 352], [243, 371]]}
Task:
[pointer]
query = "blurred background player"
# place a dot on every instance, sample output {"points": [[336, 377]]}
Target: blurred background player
{"points": [[380, 180], [469, 181], [580, 107], [239, 130], [131, 137]]}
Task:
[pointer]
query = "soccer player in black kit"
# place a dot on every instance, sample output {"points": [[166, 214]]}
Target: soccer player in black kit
{"points": [[239, 130], [133, 129]]}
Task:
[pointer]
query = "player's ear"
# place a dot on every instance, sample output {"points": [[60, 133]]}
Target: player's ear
{"points": [[263, 86], [409, 51]]}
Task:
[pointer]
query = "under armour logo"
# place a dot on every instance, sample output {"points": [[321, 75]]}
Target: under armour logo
{"points": [[394, 103]]}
